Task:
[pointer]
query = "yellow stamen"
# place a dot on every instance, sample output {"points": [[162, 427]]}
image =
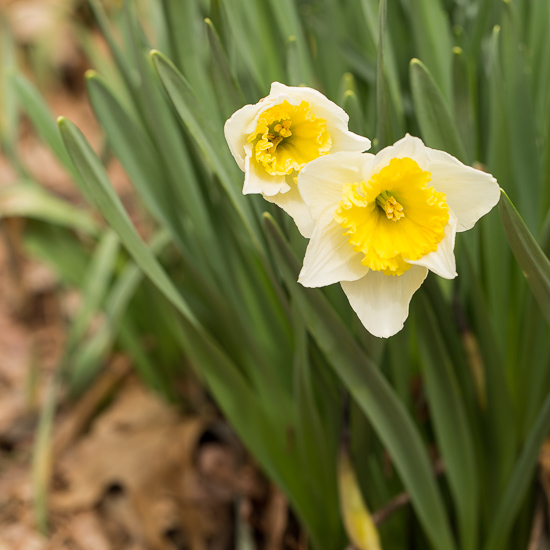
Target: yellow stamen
{"points": [[393, 210], [282, 151], [376, 222]]}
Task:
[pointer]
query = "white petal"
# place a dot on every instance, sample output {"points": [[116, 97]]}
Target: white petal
{"points": [[470, 193], [344, 140], [330, 258], [315, 99], [320, 181], [257, 180], [382, 301], [235, 131], [337, 119], [442, 261], [293, 204], [407, 147]]}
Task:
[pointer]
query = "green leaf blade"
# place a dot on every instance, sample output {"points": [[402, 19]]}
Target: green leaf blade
{"points": [[372, 392], [534, 264]]}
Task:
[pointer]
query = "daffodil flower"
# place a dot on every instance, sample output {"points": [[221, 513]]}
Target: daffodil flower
{"points": [[275, 138], [382, 221]]}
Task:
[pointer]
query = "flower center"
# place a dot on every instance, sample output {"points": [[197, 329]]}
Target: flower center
{"points": [[282, 150], [388, 231], [270, 140], [393, 210]]}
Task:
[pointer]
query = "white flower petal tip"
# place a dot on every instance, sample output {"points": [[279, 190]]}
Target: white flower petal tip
{"points": [[382, 302], [471, 193], [291, 202], [329, 258], [275, 138], [382, 221]]}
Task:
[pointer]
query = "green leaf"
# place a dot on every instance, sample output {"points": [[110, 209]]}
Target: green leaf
{"points": [[454, 434], [41, 117], [98, 276], [433, 113], [289, 24], [295, 70], [88, 357], [97, 186], [229, 93], [187, 33], [464, 115], [30, 201], [372, 392], [137, 154], [534, 264], [384, 131], [352, 106], [315, 439], [520, 480], [433, 40], [209, 138], [524, 136]]}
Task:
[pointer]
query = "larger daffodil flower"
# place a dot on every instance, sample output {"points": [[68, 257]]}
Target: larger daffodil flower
{"points": [[382, 221], [275, 138]]}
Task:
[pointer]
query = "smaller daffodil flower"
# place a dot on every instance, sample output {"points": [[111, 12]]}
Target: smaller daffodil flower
{"points": [[275, 138], [382, 221]]}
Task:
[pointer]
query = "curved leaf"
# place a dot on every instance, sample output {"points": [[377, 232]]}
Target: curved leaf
{"points": [[534, 264], [372, 392]]}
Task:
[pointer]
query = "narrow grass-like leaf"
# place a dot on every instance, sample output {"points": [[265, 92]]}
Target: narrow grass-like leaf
{"points": [[433, 114], [88, 357], [98, 277], [499, 420], [391, 75], [230, 95], [314, 439], [296, 73], [40, 115], [534, 264], [30, 201], [245, 45], [462, 101], [452, 428], [183, 186], [41, 468], [137, 154], [97, 185], [373, 394], [384, 131], [188, 34], [513, 498], [209, 139], [523, 136], [288, 21], [128, 73], [431, 34], [352, 106]]}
